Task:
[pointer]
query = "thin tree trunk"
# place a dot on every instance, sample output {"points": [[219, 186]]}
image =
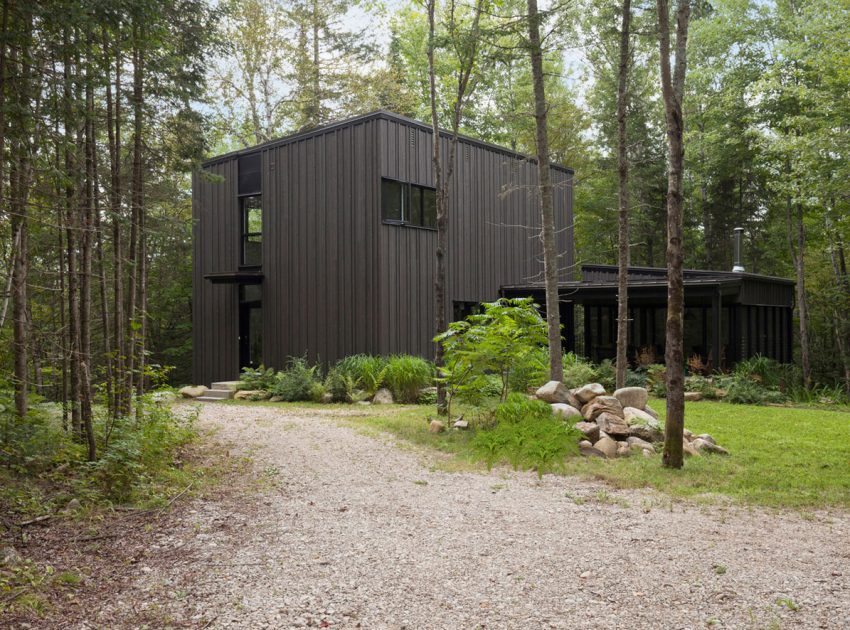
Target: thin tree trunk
{"points": [[673, 91], [134, 352], [87, 230], [623, 214], [796, 230], [547, 211]]}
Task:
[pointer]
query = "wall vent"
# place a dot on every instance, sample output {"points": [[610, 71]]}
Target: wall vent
{"points": [[411, 133]]}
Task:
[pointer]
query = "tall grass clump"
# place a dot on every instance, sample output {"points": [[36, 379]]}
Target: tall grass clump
{"points": [[406, 375], [299, 382]]}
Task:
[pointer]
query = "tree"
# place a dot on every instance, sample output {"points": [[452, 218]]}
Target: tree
{"points": [[623, 214], [547, 213], [462, 37], [672, 89]]}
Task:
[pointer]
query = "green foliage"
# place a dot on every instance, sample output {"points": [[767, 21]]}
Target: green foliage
{"points": [[297, 382], [701, 384], [506, 337], [526, 435], [405, 375], [577, 371], [256, 378], [340, 385], [746, 391], [366, 371], [656, 379], [636, 378]]}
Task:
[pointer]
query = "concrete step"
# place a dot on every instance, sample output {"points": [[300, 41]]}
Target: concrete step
{"points": [[230, 385], [209, 399]]}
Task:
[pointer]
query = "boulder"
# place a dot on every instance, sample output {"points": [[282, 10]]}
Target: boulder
{"points": [[572, 400], [193, 391], [636, 442], [460, 423], [276, 399], [636, 397], [383, 397], [719, 394], [600, 405], [692, 396], [327, 398], [623, 449], [606, 446], [633, 415], [585, 443], [435, 426], [590, 451], [707, 438], [589, 392], [565, 411], [250, 394], [73, 505], [553, 392], [650, 411], [688, 449], [613, 425], [646, 433], [589, 429], [702, 445], [646, 453], [687, 435]]}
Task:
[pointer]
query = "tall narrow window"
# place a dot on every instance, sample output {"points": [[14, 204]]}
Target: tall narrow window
{"points": [[250, 188], [252, 230]]}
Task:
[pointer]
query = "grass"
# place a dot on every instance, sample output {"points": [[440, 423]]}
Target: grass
{"points": [[780, 457]]}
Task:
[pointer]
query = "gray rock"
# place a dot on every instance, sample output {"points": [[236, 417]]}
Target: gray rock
{"points": [[646, 433], [623, 449], [193, 391], [688, 449], [600, 405], [249, 394], [553, 392], [383, 397], [589, 392], [565, 411], [632, 397], [634, 415], [636, 442], [650, 411], [702, 445], [589, 429], [692, 396], [573, 400], [613, 425], [461, 424], [607, 446], [327, 398], [707, 438], [590, 451], [584, 443], [276, 399], [73, 505], [688, 435]]}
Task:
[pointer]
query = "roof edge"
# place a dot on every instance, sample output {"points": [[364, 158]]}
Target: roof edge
{"points": [[706, 272], [373, 115]]}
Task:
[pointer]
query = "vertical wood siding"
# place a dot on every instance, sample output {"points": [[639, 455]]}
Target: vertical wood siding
{"points": [[337, 280]]}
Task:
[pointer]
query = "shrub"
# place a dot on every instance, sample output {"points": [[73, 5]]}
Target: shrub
{"points": [[526, 435], [577, 371], [768, 372], [507, 336], [256, 378], [530, 373], [656, 379], [405, 375], [636, 378], [745, 391], [296, 382], [606, 375], [340, 385], [704, 386]]}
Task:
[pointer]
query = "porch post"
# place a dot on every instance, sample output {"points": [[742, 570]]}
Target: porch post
{"points": [[716, 303]]}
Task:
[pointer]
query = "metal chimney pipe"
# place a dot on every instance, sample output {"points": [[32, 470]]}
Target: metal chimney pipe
{"points": [[738, 267]]}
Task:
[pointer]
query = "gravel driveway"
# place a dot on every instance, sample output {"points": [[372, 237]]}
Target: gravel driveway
{"points": [[351, 531]]}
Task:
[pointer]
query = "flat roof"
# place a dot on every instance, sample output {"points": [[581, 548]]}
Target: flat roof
{"points": [[377, 114]]}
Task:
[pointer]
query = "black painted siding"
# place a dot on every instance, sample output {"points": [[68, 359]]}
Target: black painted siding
{"points": [[337, 280]]}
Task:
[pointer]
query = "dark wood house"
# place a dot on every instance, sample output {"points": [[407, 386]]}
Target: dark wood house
{"points": [[732, 315], [322, 244]]}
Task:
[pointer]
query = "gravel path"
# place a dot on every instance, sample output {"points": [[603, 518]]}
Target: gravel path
{"points": [[350, 531]]}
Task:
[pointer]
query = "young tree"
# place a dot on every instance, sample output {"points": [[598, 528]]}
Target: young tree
{"points": [[547, 212], [463, 37], [623, 194], [672, 90]]}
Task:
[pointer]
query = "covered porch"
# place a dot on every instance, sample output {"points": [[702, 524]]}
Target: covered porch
{"points": [[729, 316]]}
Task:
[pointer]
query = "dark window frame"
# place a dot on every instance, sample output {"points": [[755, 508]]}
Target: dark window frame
{"points": [[245, 234], [407, 218]]}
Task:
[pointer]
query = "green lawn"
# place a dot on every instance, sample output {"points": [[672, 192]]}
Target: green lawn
{"points": [[782, 457]]}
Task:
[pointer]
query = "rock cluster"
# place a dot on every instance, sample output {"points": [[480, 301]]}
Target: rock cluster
{"points": [[616, 425]]}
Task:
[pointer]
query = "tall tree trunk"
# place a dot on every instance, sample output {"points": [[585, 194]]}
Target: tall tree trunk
{"points": [[113, 124], [796, 231], [547, 211], [134, 314], [672, 88], [623, 214], [86, 232]]}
